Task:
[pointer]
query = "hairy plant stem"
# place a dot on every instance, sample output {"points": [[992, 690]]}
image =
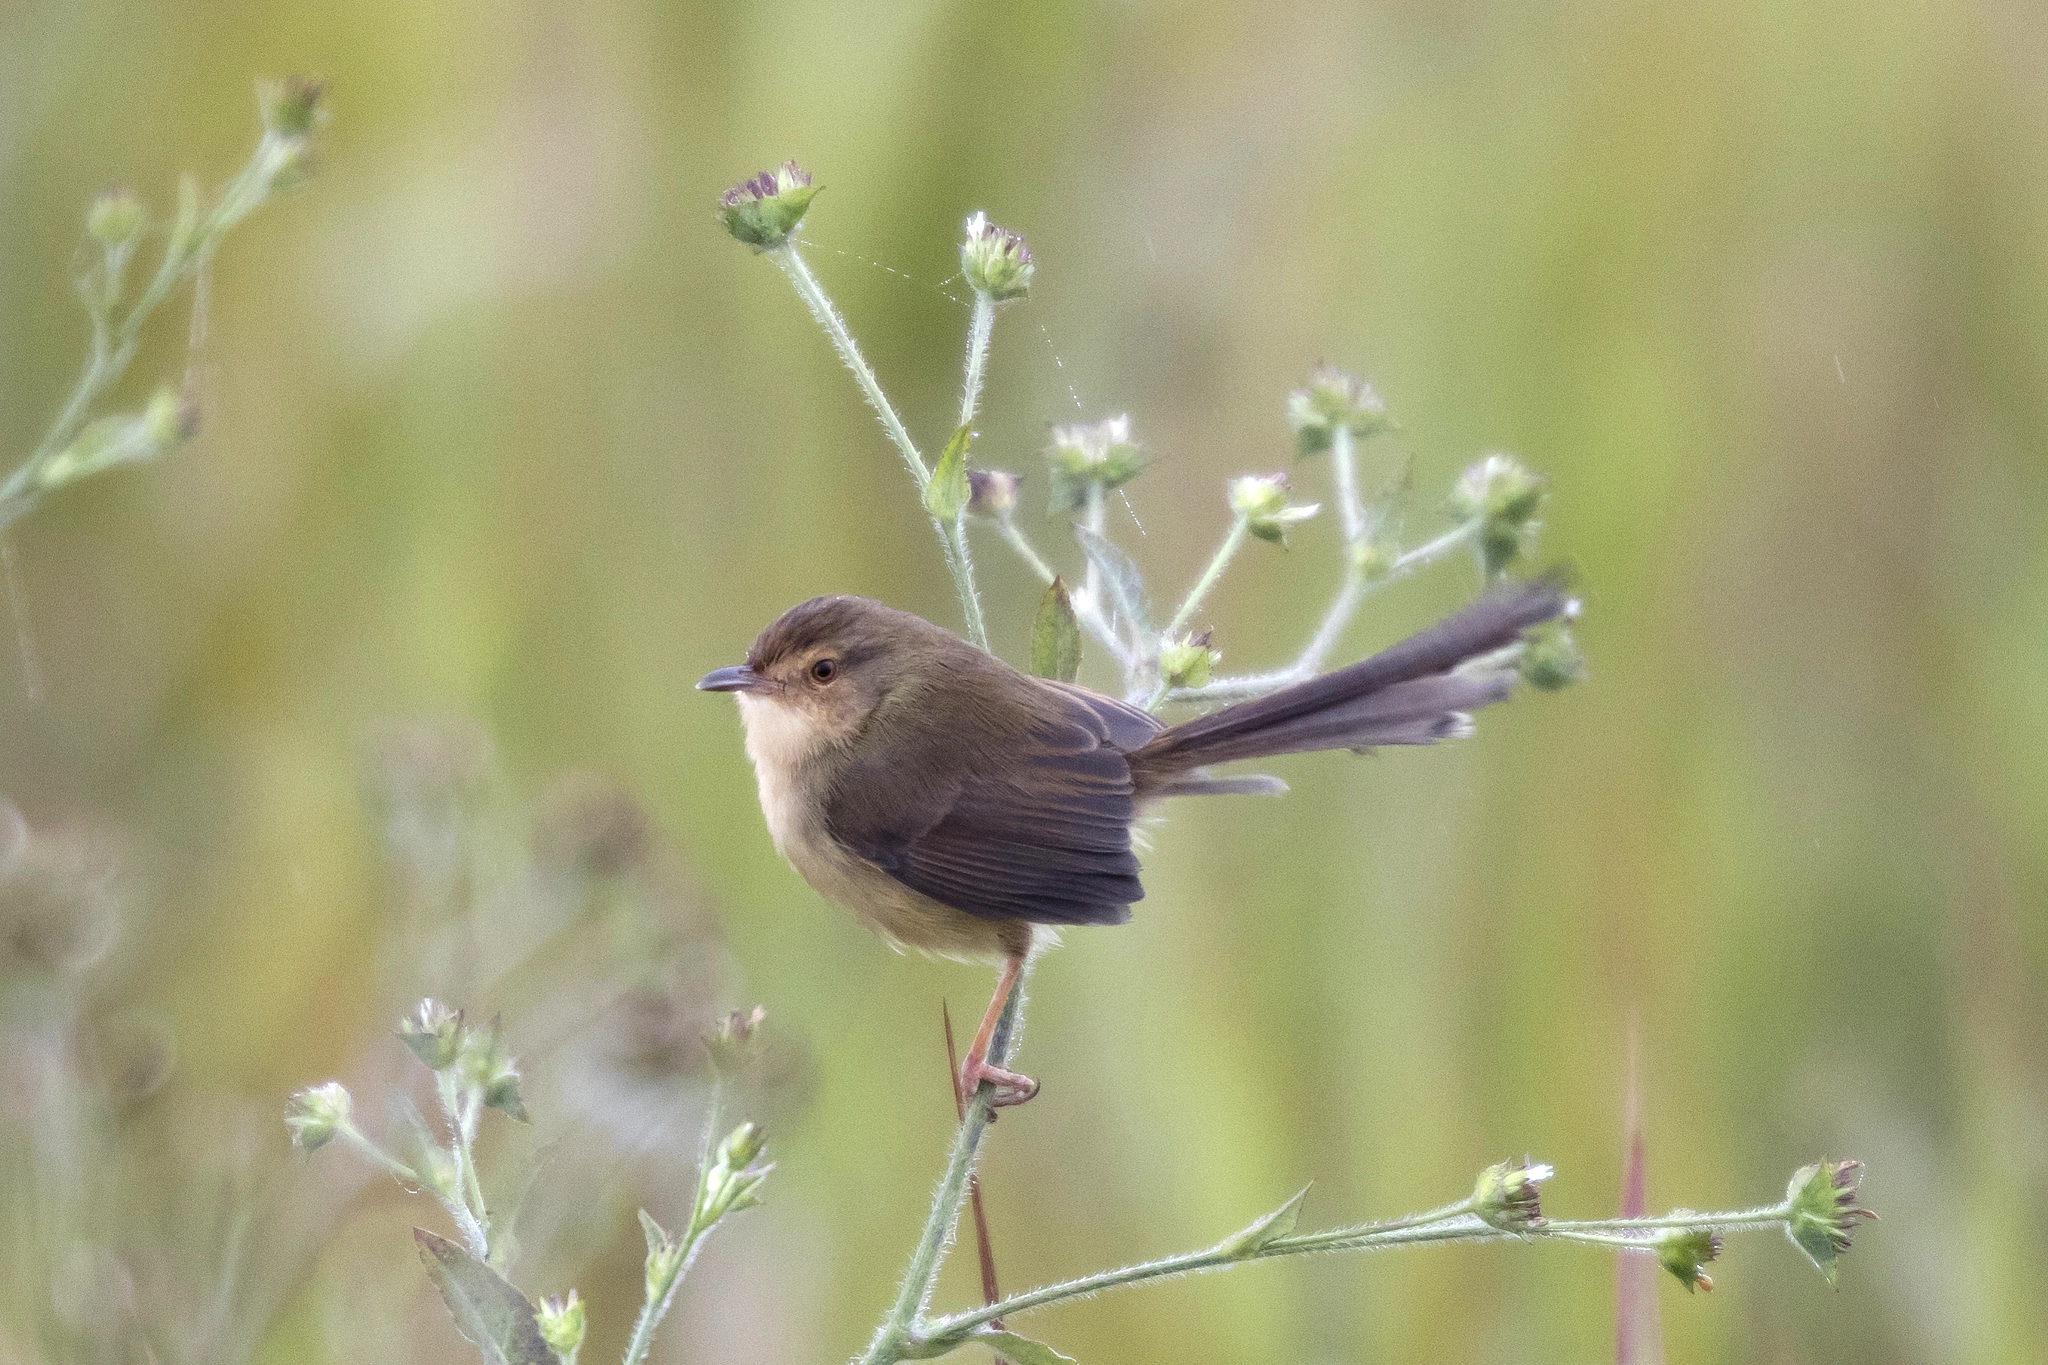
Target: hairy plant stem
{"points": [[952, 539], [898, 1332], [190, 250], [460, 1105], [979, 331], [1232, 543], [659, 1296]]}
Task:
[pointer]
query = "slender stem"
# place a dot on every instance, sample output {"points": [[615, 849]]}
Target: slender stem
{"points": [[1093, 516], [376, 1155], [1232, 543], [458, 1104], [979, 331], [952, 540], [656, 1305], [1431, 551], [1769, 1216], [1344, 467], [898, 1330]]}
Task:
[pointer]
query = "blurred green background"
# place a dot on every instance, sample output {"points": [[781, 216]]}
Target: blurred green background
{"points": [[499, 426]]}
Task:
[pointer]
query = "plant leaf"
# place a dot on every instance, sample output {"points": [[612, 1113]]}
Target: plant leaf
{"points": [[1056, 636], [1268, 1230], [487, 1308], [1125, 584], [1021, 1350], [947, 493]]}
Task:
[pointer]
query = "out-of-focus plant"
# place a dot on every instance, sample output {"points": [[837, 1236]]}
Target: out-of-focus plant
{"points": [[1494, 513], [473, 1073], [78, 444]]}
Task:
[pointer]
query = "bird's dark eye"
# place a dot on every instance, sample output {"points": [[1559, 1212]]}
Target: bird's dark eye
{"points": [[825, 670]]}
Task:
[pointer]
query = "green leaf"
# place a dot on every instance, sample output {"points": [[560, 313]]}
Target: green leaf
{"points": [[1120, 576], [1056, 636], [487, 1308], [1021, 1350], [1268, 1230], [946, 494]]}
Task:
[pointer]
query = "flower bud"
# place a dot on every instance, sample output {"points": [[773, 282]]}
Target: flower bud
{"points": [[115, 218], [434, 1033], [1503, 497], [1506, 1196], [1261, 499], [1823, 1211], [664, 1257], [561, 1323], [992, 492], [762, 212], [314, 1115], [1086, 456], [1682, 1251], [734, 1181], [1186, 663], [1550, 657], [292, 107], [487, 1068], [1334, 401], [995, 260], [169, 421], [732, 1043]]}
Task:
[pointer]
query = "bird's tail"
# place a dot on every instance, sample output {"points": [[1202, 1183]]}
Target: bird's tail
{"points": [[1418, 692]]}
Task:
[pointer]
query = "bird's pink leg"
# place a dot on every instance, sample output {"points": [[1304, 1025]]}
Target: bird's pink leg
{"points": [[1010, 1087]]}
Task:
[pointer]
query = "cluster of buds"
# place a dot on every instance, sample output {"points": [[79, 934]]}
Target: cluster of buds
{"points": [[315, 1115], [1684, 1251], [1823, 1212], [1261, 499], [1501, 496], [762, 212], [995, 260], [1090, 456], [1186, 662], [735, 1176], [443, 1040], [562, 1324], [168, 421], [1334, 401], [1506, 1196]]}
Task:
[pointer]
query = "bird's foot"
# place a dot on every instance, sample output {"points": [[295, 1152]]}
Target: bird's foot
{"points": [[1011, 1088]]}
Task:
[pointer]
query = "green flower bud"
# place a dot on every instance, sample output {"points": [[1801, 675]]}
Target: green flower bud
{"points": [[1332, 401], [1682, 1251], [169, 421], [732, 1043], [1503, 497], [292, 107], [115, 218], [1550, 657], [435, 1168], [434, 1033], [1261, 499], [1824, 1212], [734, 1181], [314, 1115], [1186, 663], [664, 1257], [561, 1322], [1373, 558], [992, 492], [1098, 455], [487, 1068], [995, 260], [1506, 1196], [762, 212]]}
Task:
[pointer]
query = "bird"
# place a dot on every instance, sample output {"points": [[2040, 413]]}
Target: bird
{"points": [[966, 809]]}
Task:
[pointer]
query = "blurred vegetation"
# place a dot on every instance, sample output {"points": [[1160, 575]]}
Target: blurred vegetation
{"points": [[500, 426]]}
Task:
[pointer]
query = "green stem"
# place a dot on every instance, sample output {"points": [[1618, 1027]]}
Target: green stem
{"points": [[898, 1332], [656, 1305], [460, 1108], [376, 1155], [979, 331], [952, 541], [1225, 552], [1770, 1216]]}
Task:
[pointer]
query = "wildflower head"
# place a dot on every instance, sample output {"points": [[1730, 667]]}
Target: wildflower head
{"points": [[1506, 1195], [1823, 1212], [1334, 401], [763, 211], [995, 260], [314, 1115], [1092, 455]]}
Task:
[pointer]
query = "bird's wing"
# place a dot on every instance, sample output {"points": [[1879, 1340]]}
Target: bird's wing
{"points": [[1048, 840]]}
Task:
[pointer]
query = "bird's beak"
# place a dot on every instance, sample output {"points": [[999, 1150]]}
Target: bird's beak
{"points": [[738, 678]]}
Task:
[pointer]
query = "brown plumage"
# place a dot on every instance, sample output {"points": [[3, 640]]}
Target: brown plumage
{"points": [[953, 802]]}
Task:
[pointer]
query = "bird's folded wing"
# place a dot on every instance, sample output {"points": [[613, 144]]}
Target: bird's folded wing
{"points": [[1048, 840]]}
